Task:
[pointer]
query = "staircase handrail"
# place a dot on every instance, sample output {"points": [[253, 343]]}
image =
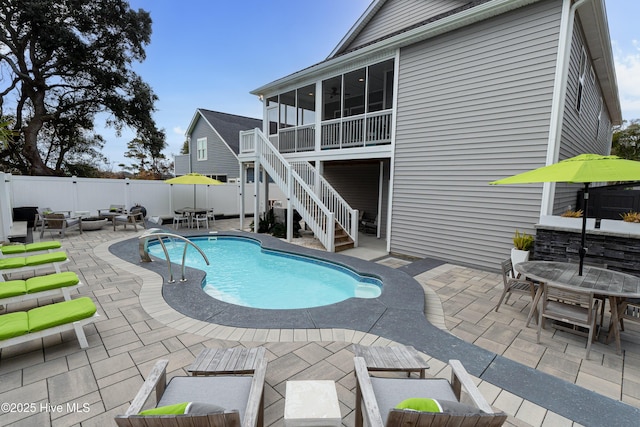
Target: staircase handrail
{"points": [[346, 216], [302, 197]]}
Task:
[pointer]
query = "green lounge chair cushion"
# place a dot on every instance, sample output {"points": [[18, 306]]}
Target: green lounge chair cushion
{"points": [[51, 281], [13, 325], [46, 258], [16, 262], [13, 288], [13, 249], [31, 247], [61, 313], [43, 246]]}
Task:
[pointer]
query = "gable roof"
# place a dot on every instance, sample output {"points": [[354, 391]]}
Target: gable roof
{"points": [[228, 126]]}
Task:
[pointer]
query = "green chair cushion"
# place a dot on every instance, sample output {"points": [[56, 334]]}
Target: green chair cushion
{"points": [[13, 325], [13, 249], [13, 288], [424, 404], [48, 316], [16, 262], [46, 258], [175, 409], [51, 281], [43, 246]]}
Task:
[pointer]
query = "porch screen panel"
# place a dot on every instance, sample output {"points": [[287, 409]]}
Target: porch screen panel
{"points": [[332, 98], [380, 87]]}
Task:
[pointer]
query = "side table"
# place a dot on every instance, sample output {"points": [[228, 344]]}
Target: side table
{"points": [[219, 361], [393, 358], [311, 403]]}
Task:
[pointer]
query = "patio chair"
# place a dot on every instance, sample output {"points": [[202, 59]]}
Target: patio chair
{"points": [[211, 216], [135, 217], [629, 309], [180, 218], [60, 223], [48, 286], [113, 209], [369, 225], [512, 283], [573, 311], [201, 218], [26, 249], [231, 400], [30, 264], [377, 398]]}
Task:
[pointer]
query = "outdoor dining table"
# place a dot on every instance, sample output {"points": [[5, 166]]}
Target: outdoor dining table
{"points": [[191, 212], [613, 284]]}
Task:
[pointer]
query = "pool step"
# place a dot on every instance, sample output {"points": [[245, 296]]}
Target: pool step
{"points": [[341, 241]]}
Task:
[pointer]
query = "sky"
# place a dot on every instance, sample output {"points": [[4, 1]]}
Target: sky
{"points": [[211, 54]]}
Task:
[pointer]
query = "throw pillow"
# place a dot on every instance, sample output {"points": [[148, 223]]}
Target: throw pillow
{"points": [[422, 404]]}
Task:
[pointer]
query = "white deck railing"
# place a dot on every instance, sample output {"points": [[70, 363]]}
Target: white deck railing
{"points": [[357, 131], [302, 198], [345, 215]]}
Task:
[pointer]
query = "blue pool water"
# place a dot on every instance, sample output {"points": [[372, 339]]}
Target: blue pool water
{"points": [[242, 273]]}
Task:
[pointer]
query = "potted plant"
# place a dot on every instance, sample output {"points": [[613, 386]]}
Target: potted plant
{"points": [[630, 224], [522, 244]]}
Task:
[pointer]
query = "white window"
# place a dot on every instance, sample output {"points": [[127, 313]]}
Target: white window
{"points": [[581, 76], [201, 148]]}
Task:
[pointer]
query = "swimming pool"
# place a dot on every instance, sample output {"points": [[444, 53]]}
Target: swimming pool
{"points": [[241, 272]]}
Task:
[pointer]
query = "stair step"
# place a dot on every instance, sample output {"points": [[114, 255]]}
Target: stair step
{"points": [[338, 247]]}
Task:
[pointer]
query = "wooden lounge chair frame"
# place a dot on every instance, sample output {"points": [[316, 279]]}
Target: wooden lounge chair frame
{"points": [[58, 222], [157, 380], [460, 379]]}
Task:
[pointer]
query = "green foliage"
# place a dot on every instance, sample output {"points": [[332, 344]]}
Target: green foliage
{"points": [[523, 241], [64, 62], [626, 140]]}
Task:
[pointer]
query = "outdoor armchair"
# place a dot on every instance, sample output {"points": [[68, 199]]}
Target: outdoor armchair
{"points": [[232, 400], [135, 217], [58, 222], [512, 284], [113, 209], [376, 399]]}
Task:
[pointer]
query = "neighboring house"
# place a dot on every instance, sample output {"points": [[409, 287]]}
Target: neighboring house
{"points": [[423, 103], [213, 144]]}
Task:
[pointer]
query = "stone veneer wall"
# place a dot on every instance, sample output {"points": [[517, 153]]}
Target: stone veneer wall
{"points": [[618, 252]]}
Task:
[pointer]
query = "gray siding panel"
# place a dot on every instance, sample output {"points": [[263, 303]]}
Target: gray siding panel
{"points": [[357, 183], [395, 15], [582, 132], [220, 159], [473, 106]]}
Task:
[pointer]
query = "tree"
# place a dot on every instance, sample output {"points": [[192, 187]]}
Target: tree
{"points": [[64, 61], [626, 140], [146, 153]]}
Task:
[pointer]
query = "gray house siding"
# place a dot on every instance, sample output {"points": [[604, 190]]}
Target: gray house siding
{"points": [[473, 106], [220, 159], [398, 14], [582, 131], [181, 164], [358, 184]]}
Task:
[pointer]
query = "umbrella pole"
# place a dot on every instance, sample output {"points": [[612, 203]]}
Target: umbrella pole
{"points": [[583, 248]]}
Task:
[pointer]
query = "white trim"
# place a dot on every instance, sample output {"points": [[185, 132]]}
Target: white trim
{"points": [[204, 142], [558, 100], [394, 119]]}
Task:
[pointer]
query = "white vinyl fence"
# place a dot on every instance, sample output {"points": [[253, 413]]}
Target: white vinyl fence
{"points": [[91, 194]]}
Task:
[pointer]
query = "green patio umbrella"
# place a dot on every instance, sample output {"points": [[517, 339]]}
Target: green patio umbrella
{"points": [[585, 168], [193, 179]]}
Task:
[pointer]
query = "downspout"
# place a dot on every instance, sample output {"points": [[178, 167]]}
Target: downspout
{"points": [[559, 94]]}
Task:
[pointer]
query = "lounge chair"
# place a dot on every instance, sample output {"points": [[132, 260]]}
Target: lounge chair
{"points": [[39, 322], [31, 263], [29, 249], [60, 223], [239, 399], [377, 398], [51, 285]]}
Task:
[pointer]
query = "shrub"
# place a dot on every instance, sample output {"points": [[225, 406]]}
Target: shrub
{"points": [[631, 217], [572, 214], [522, 241]]}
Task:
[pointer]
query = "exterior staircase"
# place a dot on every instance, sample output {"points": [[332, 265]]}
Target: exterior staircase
{"points": [[341, 241], [331, 219]]}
